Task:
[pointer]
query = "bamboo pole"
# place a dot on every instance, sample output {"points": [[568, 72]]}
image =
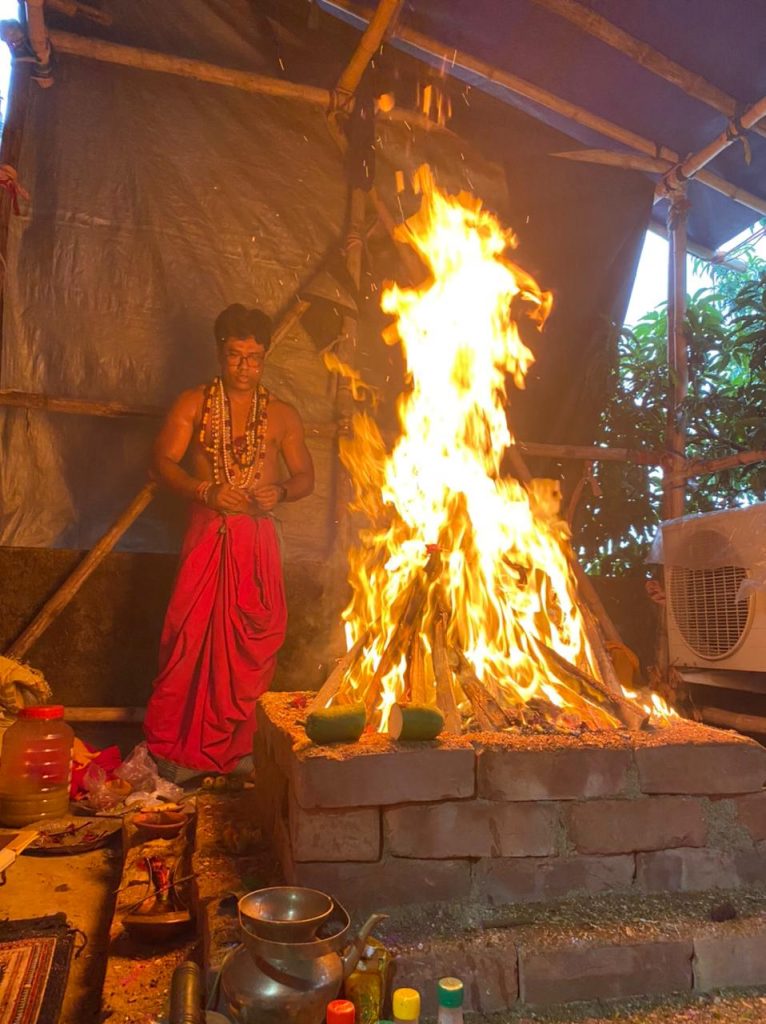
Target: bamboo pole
{"points": [[716, 256], [678, 360], [55, 604], [701, 467], [73, 45], [77, 406], [88, 407], [71, 8], [451, 58], [733, 720], [692, 165], [590, 453], [379, 24], [103, 714], [644, 55], [345, 404]]}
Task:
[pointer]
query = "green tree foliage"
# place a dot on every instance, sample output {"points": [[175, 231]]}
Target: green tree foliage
{"points": [[725, 412]]}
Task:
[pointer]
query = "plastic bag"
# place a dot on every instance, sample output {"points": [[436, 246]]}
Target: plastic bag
{"points": [[100, 795], [140, 770]]}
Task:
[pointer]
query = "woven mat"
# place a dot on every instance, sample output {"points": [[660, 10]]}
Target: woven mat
{"points": [[34, 966]]}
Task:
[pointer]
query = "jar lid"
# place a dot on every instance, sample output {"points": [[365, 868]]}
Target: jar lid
{"points": [[341, 1011], [406, 1004], [450, 993], [42, 711]]}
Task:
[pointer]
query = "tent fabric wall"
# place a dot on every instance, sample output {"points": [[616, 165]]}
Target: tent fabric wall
{"points": [[158, 200]]}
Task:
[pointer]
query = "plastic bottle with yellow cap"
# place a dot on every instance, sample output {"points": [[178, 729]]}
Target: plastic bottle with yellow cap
{"points": [[406, 1006]]}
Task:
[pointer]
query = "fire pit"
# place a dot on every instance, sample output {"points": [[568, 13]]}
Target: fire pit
{"points": [[503, 818], [548, 779]]}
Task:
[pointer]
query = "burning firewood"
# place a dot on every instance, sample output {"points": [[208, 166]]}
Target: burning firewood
{"points": [[405, 628], [333, 682], [490, 716], [445, 691], [630, 714]]}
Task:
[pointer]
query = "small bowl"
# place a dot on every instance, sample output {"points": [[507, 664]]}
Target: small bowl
{"points": [[161, 824], [284, 913]]}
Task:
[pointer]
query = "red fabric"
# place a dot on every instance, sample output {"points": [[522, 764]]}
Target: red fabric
{"points": [[224, 625], [108, 760]]}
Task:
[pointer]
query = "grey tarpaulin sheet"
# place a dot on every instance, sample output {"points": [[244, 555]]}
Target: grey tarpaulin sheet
{"points": [[156, 201]]}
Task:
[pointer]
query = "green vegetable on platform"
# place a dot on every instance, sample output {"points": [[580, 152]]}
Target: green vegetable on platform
{"points": [[342, 724], [415, 722]]}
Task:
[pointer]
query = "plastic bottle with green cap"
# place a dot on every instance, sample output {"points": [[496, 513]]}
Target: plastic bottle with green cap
{"points": [[406, 1006], [450, 993]]}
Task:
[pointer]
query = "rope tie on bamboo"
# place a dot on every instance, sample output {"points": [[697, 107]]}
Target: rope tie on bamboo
{"points": [[735, 132], [341, 101]]}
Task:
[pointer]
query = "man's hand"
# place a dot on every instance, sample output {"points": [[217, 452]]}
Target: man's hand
{"points": [[267, 497], [225, 498]]}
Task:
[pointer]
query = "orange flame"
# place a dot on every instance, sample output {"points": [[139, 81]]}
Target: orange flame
{"points": [[502, 585]]}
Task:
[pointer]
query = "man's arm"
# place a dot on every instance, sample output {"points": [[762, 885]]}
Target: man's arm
{"points": [[172, 443], [170, 447], [299, 464]]}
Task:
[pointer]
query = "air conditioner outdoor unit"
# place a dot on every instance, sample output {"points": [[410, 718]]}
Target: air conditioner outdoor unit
{"points": [[715, 584]]}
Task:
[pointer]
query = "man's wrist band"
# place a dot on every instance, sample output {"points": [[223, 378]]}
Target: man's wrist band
{"points": [[283, 492], [202, 490]]}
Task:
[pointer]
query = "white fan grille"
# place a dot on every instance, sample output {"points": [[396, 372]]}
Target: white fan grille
{"points": [[704, 605]]}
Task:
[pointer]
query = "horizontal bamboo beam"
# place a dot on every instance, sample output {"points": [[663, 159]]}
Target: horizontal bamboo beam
{"points": [[76, 406], [716, 256], [692, 166], [701, 467], [451, 58], [644, 55], [591, 453], [111, 714], [74, 45], [88, 407], [733, 720]]}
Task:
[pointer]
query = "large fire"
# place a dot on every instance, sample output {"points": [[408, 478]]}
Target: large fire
{"points": [[462, 582]]}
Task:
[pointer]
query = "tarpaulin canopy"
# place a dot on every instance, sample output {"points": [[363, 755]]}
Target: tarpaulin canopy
{"points": [[721, 42], [158, 199]]}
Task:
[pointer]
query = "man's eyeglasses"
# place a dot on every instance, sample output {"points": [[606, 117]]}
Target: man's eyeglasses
{"points": [[252, 361]]}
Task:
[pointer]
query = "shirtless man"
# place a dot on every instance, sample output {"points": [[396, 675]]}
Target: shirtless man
{"points": [[226, 618]]}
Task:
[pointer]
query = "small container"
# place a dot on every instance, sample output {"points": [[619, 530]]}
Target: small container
{"points": [[341, 1011], [406, 1006], [450, 994], [36, 767]]}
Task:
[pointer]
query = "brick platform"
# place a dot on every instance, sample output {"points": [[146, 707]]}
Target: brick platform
{"points": [[498, 819]]}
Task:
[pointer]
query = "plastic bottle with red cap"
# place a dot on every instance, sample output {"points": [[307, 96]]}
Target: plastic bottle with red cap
{"points": [[35, 766], [341, 1011]]}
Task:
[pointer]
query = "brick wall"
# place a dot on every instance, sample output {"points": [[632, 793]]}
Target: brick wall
{"points": [[502, 819]]}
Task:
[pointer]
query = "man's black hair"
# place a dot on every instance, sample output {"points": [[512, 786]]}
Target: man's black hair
{"points": [[238, 322]]}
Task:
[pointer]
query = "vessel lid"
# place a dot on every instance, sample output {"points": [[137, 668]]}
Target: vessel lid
{"points": [[341, 1011], [43, 711], [406, 1004], [450, 992]]}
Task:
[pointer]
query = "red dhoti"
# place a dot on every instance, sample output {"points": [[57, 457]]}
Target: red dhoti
{"points": [[224, 625]]}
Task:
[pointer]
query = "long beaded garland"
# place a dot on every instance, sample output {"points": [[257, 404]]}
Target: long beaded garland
{"points": [[239, 465]]}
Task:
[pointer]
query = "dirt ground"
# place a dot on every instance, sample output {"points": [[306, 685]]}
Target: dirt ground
{"points": [[82, 887]]}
